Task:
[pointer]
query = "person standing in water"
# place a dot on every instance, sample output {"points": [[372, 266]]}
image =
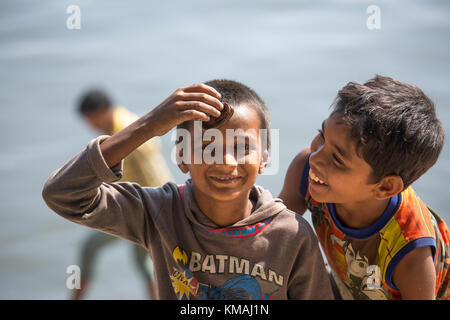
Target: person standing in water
{"points": [[146, 166]]}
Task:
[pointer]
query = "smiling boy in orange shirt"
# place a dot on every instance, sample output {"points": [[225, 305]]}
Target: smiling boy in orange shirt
{"points": [[380, 239]]}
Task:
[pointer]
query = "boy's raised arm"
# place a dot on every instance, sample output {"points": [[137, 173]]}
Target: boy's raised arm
{"points": [[81, 190], [290, 194]]}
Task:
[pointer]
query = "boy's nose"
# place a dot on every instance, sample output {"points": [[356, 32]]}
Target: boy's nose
{"points": [[229, 159], [316, 158]]}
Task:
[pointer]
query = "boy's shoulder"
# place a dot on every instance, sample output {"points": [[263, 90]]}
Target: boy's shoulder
{"points": [[293, 226], [293, 184], [289, 223], [157, 196], [414, 217], [167, 191], [300, 160]]}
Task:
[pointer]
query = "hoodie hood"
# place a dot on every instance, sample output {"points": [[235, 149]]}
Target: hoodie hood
{"points": [[265, 206]]}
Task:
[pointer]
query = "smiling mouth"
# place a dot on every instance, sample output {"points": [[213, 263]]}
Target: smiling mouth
{"points": [[316, 179], [226, 179]]}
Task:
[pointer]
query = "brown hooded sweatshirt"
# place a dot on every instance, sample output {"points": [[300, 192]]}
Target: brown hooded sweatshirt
{"points": [[272, 254]]}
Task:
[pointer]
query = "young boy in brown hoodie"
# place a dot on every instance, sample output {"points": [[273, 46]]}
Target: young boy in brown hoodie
{"points": [[218, 236]]}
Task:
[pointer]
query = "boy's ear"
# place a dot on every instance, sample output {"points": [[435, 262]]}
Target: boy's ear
{"points": [[264, 162], [388, 187], [183, 166]]}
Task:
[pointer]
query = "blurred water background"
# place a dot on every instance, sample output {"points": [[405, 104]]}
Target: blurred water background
{"points": [[295, 54]]}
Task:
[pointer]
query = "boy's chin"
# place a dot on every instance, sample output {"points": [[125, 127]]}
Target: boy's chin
{"points": [[319, 196], [227, 194], [223, 191]]}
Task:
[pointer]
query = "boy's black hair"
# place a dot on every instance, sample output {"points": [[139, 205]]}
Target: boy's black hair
{"points": [[235, 93], [395, 127], [94, 100]]}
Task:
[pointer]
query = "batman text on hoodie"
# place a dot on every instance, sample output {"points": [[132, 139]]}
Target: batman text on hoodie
{"points": [[272, 254]]}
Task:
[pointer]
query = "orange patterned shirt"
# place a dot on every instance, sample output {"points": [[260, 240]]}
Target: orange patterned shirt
{"points": [[363, 260]]}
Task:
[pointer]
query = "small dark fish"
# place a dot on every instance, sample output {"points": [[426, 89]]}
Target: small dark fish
{"points": [[225, 115]]}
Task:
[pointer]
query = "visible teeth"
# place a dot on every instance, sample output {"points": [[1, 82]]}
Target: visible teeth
{"points": [[315, 178], [225, 179]]}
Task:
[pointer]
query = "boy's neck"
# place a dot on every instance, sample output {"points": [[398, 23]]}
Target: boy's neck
{"points": [[362, 214], [227, 212]]}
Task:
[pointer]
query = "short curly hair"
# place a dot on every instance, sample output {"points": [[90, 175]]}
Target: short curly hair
{"points": [[395, 127]]}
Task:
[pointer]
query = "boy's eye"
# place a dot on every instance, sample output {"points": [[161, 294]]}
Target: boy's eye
{"points": [[244, 147], [337, 160]]}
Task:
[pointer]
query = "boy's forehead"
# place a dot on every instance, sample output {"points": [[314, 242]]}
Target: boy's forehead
{"points": [[244, 117], [337, 118], [341, 135]]}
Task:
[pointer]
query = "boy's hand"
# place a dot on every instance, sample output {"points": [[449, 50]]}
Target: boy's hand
{"points": [[195, 102]]}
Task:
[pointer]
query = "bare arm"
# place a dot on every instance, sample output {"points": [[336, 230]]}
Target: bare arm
{"points": [[290, 194], [196, 102], [415, 275]]}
